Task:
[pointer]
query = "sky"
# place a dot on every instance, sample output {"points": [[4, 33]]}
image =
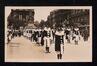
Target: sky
{"points": [[41, 14]]}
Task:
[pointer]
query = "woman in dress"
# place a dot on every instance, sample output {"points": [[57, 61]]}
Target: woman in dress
{"points": [[59, 42]]}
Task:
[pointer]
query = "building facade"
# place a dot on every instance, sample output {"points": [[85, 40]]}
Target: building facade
{"points": [[57, 17], [76, 17], [80, 18], [70, 18], [20, 18]]}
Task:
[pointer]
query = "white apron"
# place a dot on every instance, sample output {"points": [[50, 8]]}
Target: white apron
{"points": [[47, 41]]}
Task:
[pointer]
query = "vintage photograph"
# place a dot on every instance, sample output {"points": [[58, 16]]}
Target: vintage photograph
{"points": [[48, 34]]}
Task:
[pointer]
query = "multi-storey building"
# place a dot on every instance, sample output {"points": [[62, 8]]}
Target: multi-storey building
{"points": [[76, 17], [70, 17], [80, 18], [20, 17], [57, 17]]}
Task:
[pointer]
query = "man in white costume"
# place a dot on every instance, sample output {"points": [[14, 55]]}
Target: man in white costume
{"points": [[76, 35], [39, 36], [47, 39], [68, 34]]}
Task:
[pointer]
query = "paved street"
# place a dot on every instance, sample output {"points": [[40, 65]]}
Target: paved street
{"points": [[21, 49]]}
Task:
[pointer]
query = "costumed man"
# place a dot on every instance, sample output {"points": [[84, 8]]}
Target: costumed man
{"points": [[32, 34], [27, 34], [35, 35], [59, 42], [39, 36], [68, 32], [42, 36], [47, 39], [9, 37], [19, 33], [53, 35], [76, 35], [86, 34]]}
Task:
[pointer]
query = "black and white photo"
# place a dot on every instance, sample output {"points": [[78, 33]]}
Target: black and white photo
{"points": [[48, 34]]}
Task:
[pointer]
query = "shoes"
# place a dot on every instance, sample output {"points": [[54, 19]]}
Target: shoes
{"points": [[47, 52], [59, 56]]}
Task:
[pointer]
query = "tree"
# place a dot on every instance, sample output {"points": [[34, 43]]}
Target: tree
{"points": [[42, 24], [36, 23]]}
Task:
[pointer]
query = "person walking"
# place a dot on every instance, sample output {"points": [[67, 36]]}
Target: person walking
{"points": [[59, 42], [39, 36], [42, 37], [9, 37], [76, 35], [47, 39], [68, 32]]}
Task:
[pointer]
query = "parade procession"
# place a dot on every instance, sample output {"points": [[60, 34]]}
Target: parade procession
{"points": [[63, 28]]}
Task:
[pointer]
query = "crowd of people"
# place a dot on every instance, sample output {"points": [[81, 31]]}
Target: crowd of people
{"points": [[47, 36], [12, 34]]}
